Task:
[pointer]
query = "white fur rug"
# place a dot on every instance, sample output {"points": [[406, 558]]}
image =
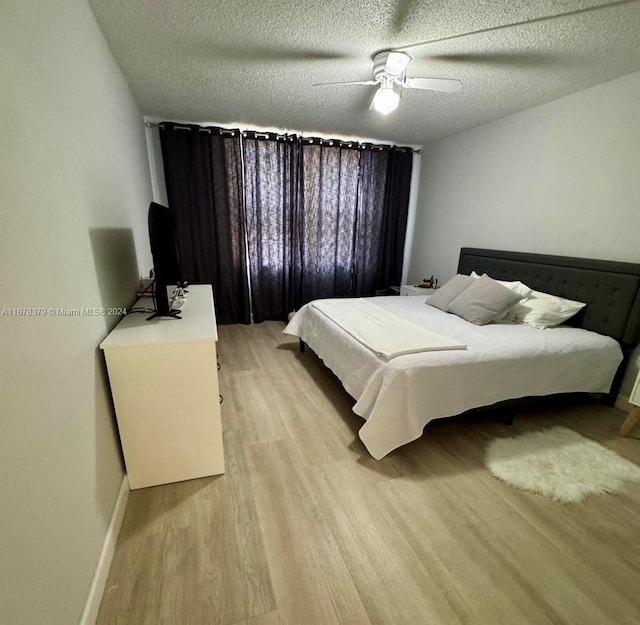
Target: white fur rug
{"points": [[560, 464]]}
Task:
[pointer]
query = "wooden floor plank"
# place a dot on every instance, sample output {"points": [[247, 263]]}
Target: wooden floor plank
{"points": [[311, 582], [206, 564], [395, 585]]}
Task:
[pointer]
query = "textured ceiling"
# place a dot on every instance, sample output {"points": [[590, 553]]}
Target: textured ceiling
{"points": [[253, 62]]}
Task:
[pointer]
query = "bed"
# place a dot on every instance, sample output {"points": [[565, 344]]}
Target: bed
{"points": [[398, 396]]}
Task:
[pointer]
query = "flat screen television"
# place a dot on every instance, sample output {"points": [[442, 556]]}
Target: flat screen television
{"points": [[166, 259]]}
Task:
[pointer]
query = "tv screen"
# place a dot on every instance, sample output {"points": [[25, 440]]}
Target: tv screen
{"points": [[166, 260]]}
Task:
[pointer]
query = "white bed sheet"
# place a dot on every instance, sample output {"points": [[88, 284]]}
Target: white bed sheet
{"points": [[398, 397]]}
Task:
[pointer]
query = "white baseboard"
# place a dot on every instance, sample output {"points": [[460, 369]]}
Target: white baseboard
{"points": [[91, 607]]}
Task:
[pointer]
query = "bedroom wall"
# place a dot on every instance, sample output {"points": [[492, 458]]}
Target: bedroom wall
{"points": [[561, 178], [75, 186]]}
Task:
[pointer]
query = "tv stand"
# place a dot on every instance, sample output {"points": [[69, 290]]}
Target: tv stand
{"points": [[172, 314], [177, 298], [164, 382]]}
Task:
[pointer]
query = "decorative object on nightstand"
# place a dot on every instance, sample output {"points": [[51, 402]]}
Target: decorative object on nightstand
{"points": [[429, 283], [634, 415]]}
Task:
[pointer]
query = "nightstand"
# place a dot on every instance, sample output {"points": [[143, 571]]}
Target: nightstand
{"points": [[407, 289], [634, 415]]}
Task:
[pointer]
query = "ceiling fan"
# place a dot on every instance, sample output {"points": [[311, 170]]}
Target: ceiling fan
{"points": [[390, 75], [390, 66]]}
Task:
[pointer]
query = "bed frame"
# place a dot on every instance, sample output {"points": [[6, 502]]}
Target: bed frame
{"points": [[611, 290]]}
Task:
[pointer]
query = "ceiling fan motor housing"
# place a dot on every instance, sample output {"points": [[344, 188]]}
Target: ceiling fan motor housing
{"points": [[390, 64]]}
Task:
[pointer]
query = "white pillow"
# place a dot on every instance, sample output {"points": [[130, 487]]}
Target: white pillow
{"points": [[542, 310], [516, 287]]}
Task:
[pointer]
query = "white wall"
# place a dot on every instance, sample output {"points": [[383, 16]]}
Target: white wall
{"points": [[74, 190], [562, 178]]}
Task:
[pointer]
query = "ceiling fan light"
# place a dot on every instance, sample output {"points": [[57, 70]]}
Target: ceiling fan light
{"points": [[385, 100]]}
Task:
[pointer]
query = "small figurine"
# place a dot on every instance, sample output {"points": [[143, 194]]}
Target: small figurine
{"points": [[429, 283]]}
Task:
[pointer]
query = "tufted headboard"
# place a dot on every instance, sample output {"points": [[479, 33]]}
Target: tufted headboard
{"points": [[611, 289]]}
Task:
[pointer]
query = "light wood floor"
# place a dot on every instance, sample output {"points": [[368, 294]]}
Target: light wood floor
{"points": [[305, 528]]}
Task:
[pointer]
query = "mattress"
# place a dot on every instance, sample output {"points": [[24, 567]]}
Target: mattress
{"points": [[398, 397]]}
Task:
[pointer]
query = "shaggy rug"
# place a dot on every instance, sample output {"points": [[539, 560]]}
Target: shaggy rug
{"points": [[560, 464]]}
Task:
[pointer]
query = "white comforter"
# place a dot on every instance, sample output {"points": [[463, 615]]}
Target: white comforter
{"points": [[399, 397]]}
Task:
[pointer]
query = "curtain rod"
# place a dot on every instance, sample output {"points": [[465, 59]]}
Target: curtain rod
{"points": [[232, 133]]}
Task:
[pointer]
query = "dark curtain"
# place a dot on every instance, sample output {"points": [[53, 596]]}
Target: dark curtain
{"points": [[328, 211], [372, 176], [203, 176], [281, 220], [394, 221], [271, 175]]}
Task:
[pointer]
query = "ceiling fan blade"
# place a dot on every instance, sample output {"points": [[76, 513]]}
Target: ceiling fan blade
{"points": [[448, 85], [535, 20], [355, 82], [401, 14], [268, 54], [514, 58]]}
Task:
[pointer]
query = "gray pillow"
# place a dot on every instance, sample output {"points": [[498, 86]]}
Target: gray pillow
{"points": [[483, 301], [449, 291]]}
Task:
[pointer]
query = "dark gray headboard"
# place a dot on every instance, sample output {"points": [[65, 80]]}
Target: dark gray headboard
{"points": [[611, 289]]}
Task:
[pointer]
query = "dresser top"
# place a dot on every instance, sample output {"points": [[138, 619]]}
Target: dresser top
{"points": [[198, 323]]}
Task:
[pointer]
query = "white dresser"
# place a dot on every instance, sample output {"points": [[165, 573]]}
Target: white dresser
{"points": [[164, 382]]}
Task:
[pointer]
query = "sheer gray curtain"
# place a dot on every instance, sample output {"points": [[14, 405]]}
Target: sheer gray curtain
{"points": [[271, 188], [328, 220], [354, 206]]}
